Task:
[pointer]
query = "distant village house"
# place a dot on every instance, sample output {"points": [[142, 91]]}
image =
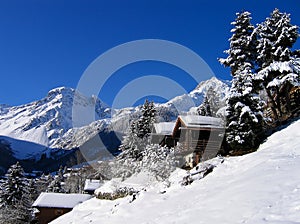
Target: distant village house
{"points": [[52, 205]]}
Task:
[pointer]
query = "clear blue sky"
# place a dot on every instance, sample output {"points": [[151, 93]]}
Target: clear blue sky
{"points": [[49, 43]]}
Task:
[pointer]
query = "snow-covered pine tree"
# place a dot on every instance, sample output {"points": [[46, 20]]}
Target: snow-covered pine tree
{"points": [[244, 116], [204, 108], [277, 65], [211, 103], [56, 185], [15, 187], [276, 37], [242, 44], [214, 99], [60, 174], [42, 183], [15, 195], [129, 144], [135, 142], [145, 122], [32, 189], [137, 137]]}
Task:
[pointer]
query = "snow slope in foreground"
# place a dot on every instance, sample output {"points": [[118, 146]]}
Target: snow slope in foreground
{"points": [[262, 187]]}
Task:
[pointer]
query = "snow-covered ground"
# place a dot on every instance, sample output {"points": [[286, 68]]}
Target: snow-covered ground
{"points": [[262, 187]]}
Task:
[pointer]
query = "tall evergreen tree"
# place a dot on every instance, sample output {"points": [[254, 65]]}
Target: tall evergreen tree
{"points": [[15, 197], [56, 185], [214, 99], [145, 122], [242, 44], [137, 137], [204, 108], [277, 64], [244, 115], [15, 187], [276, 38], [211, 103]]}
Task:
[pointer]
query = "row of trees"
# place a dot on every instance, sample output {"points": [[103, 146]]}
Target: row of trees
{"points": [[261, 61]]}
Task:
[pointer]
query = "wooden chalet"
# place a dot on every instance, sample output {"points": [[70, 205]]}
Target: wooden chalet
{"points": [[195, 137], [52, 205]]}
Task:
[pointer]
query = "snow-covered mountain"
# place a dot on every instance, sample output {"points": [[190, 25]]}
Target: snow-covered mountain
{"points": [[187, 102], [261, 187], [44, 121], [48, 122]]}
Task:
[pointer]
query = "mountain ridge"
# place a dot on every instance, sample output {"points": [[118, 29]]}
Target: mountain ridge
{"points": [[48, 122]]}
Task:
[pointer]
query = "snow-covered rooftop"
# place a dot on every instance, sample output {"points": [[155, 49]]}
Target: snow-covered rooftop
{"points": [[202, 121], [91, 185], [165, 128], [59, 200]]}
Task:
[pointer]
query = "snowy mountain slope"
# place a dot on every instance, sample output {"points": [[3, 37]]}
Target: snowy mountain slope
{"points": [[25, 150], [185, 102], [46, 120], [261, 187]]}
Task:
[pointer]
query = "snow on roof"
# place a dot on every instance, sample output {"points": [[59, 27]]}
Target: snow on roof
{"points": [[202, 121], [91, 185], [165, 128], [60, 200]]}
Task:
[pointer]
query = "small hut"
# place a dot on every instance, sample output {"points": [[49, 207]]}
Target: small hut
{"points": [[52, 205]]}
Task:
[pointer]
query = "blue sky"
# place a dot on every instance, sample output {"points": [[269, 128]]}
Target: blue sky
{"points": [[49, 43]]}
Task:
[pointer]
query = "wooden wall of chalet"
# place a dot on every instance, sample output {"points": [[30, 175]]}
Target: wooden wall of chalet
{"points": [[47, 215]]}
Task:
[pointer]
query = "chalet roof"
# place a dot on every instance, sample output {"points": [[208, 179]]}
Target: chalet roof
{"points": [[196, 121], [165, 128], [60, 200], [91, 185]]}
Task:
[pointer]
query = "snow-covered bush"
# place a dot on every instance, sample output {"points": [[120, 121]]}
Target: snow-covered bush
{"points": [[158, 161], [118, 193]]}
